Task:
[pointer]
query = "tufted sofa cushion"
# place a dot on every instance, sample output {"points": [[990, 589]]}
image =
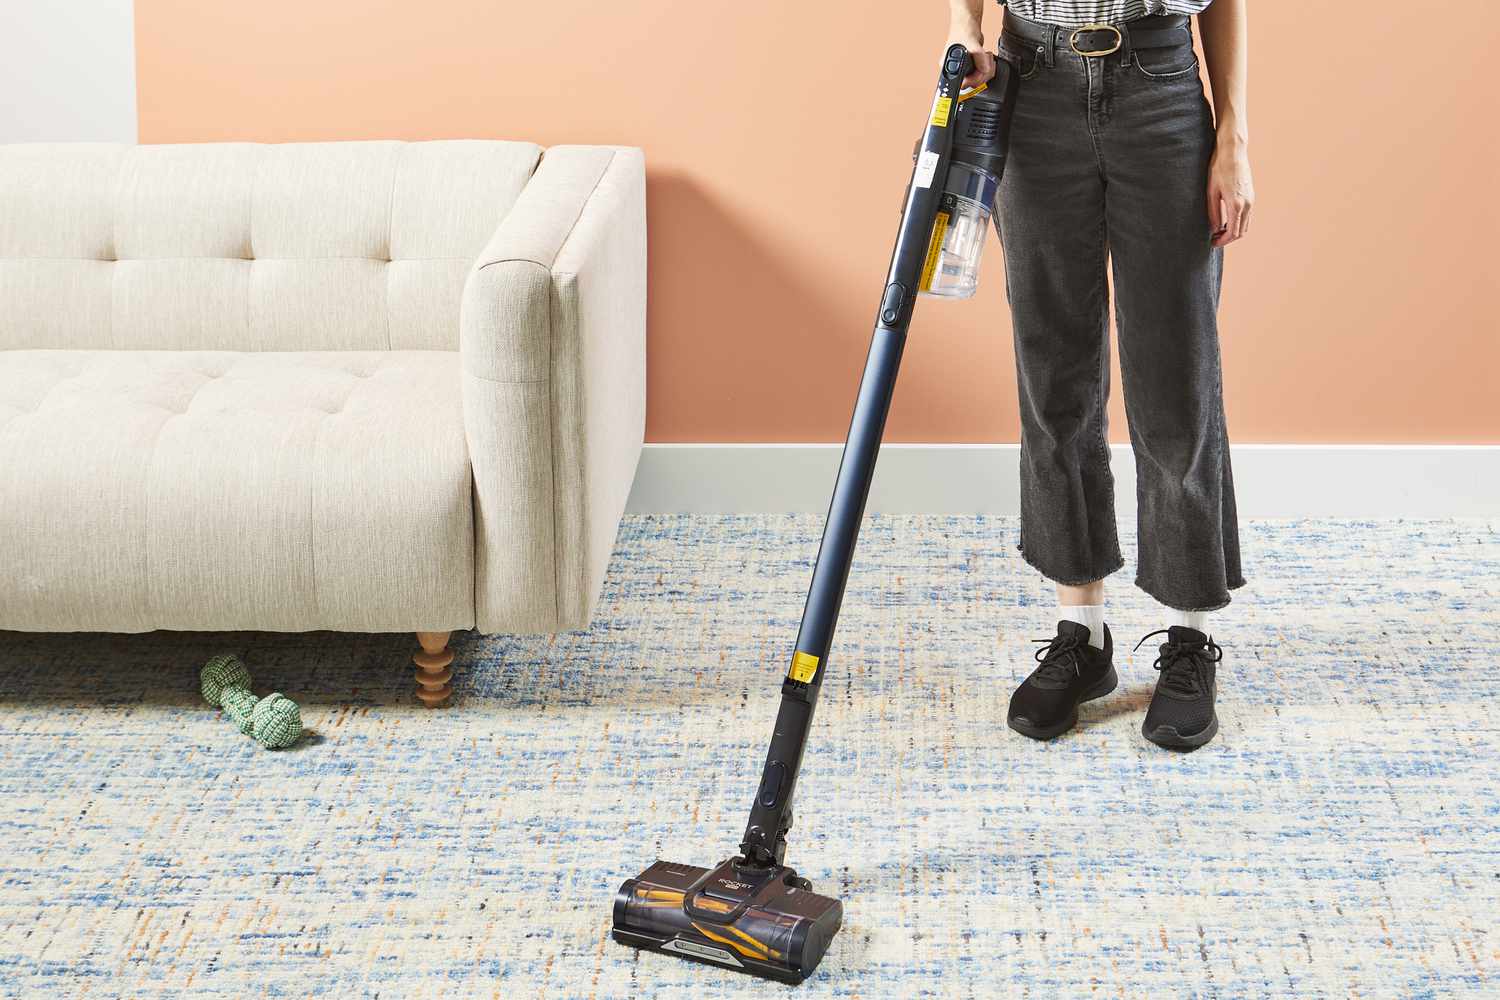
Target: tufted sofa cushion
{"points": [[374, 386], [239, 246], [203, 489]]}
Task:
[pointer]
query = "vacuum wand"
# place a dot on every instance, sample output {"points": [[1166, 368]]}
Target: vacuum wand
{"points": [[971, 138], [751, 912]]}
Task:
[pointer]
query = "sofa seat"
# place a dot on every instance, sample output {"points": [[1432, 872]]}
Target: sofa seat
{"points": [[226, 490]]}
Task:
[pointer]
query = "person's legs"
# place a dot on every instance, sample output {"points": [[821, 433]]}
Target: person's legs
{"points": [[1051, 221], [1157, 137], [1156, 144], [1050, 214]]}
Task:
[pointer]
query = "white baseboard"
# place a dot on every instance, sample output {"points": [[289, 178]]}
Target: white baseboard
{"points": [[1271, 480]]}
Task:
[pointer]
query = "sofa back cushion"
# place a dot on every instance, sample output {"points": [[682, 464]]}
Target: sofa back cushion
{"points": [[239, 246]]}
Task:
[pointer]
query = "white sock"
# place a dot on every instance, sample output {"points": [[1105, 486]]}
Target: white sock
{"points": [[1192, 619], [1091, 615]]}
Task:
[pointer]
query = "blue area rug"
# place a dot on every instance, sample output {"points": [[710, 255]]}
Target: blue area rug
{"points": [[1340, 838]]}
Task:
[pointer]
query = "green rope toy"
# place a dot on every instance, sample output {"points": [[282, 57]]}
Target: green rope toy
{"points": [[274, 721]]}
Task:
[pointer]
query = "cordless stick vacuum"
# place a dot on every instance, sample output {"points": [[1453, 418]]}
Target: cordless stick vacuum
{"points": [[753, 913]]}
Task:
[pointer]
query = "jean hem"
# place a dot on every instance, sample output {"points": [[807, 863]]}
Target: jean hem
{"points": [[1222, 602], [1063, 582]]}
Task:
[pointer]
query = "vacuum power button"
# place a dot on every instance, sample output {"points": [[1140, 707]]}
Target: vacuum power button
{"points": [[890, 305]]}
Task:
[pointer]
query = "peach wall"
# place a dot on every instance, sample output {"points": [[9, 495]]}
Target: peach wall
{"points": [[778, 137]]}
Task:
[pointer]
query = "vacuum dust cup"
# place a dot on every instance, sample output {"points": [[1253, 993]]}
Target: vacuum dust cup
{"points": [[981, 123], [952, 266]]}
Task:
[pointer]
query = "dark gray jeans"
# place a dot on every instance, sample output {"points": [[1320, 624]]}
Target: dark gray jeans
{"points": [[1109, 160]]}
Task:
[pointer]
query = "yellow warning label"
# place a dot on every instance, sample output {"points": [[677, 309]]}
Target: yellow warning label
{"points": [[940, 109], [804, 667], [929, 267]]}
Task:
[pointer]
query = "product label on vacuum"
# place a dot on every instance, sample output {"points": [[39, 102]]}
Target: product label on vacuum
{"points": [[926, 167], [941, 105], [804, 667], [935, 246]]}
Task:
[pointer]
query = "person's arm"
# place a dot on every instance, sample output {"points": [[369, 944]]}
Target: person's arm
{"points": [[1222, 26], [964, 29]]}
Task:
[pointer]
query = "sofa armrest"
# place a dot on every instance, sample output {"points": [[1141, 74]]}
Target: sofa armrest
{"points": [[553, 346]]}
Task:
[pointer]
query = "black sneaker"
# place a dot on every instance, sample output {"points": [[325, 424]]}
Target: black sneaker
{"points": [[1072, 672], [1182, 716]]}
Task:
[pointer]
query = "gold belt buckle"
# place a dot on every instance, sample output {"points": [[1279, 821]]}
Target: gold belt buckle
{"points": [[1097, 26]]}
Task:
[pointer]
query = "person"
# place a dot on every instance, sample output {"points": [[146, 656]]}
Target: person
{"points": [[1116, 156]]}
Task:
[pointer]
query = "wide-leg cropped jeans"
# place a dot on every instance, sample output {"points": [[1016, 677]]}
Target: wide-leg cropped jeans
{"points": [[1108, 166]]}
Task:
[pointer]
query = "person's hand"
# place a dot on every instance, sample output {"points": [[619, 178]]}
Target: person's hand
{"points": [[1231, 193], [984, 60]]}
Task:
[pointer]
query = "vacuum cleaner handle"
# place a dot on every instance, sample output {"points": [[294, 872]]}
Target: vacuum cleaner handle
{"points": [[771, 814]]}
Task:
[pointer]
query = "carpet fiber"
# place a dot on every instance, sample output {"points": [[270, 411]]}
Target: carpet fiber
{"points": [[1341, 836]]}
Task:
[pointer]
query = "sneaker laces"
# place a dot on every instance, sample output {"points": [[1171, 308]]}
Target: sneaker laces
{"points": [[1180, 663], [1061, 653]]}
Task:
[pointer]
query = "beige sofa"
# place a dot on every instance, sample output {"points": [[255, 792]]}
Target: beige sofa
{"points": [[362, 386]]}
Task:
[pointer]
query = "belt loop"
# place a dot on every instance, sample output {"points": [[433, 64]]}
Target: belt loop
{"points": [[1125, 47], [1051, 46]]}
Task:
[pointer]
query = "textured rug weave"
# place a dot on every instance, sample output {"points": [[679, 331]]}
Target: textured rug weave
{"points": [[1340, 838]]}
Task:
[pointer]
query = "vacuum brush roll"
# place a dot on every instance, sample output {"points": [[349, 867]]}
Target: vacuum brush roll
{"points": [[762, 921]]}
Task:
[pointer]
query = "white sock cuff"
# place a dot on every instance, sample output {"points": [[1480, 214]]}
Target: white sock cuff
{"points": [[1090, 615], [1192, 619]]}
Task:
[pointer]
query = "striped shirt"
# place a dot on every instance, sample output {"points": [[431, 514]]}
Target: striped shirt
{"points": [[1072, 13]]}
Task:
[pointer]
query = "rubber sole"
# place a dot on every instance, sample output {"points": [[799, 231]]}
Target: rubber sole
{"points": [[1168, 738], [1105, 685]]}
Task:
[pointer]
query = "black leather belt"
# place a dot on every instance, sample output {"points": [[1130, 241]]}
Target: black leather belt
{"points": [[1102, 39]]}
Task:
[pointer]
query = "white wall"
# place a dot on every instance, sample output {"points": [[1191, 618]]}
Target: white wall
{"points": [[67, 71]]}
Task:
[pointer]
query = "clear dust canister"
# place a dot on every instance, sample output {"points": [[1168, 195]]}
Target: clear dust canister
{"points": [[981, 127], [963, 217]]}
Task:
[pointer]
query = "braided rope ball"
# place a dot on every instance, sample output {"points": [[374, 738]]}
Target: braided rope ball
{"points": [[276, 721], [221, 672]]}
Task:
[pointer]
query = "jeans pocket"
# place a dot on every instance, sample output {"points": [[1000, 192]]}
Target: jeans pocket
{"points": [[1025, 56], [1167, 63]]}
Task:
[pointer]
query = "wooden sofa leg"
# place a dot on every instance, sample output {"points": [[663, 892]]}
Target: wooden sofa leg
{"points": [[434, 668]]}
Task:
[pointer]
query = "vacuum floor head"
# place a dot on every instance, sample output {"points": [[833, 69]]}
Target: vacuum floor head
{"points": [[762, 920]]}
